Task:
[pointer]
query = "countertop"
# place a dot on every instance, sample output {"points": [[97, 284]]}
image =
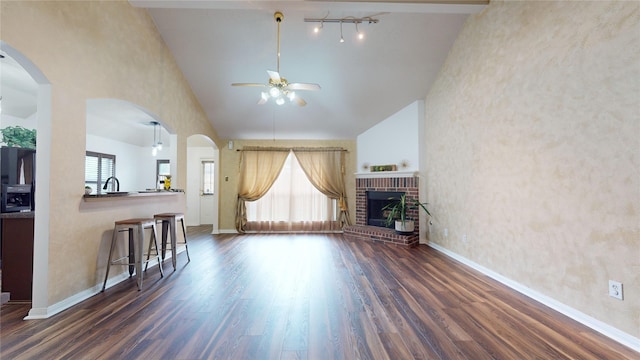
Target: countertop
{"points": [[130, 195], [18, 215]]}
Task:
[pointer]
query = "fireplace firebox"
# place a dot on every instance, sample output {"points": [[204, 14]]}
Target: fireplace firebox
{"points": [[376, 201]]}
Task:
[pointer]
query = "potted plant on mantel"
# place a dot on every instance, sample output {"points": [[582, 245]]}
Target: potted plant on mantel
{"points": [[397, 211]]}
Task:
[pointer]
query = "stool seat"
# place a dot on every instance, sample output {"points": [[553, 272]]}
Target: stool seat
{"points": [[137, 221], [169, 224], [135, 229]]}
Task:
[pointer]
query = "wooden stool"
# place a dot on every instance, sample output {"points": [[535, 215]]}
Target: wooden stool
{"points": [[169, 225], [135, 228]]}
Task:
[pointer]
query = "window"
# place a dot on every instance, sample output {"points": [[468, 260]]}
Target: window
{"points": [[163, 169], [208, 177], [292, 204], [98, 168]]}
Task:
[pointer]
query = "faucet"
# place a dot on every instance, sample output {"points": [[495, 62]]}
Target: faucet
{"points": [[106, 183]]}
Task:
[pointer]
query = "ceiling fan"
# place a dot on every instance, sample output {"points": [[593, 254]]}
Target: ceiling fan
{"points": [[279, 89]]}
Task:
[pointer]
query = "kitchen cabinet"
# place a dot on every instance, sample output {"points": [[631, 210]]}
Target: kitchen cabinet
{"points": [[17, 255]]}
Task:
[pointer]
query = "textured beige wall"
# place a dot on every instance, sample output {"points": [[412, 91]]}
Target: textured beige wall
{"points": [[230, 160], [533, 150], [92, 50]]}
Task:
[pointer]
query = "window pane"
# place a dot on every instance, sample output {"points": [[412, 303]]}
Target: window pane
{"points": [[164, 168], [292, 198], [208, 176], [91, 168], [98, 168]]}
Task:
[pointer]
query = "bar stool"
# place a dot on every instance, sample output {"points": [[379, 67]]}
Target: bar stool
{"points": [[169, 225], [135, 228]]}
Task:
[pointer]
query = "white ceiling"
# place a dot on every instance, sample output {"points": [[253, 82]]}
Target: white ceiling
{"points": [[216, 43], [18, 90]]}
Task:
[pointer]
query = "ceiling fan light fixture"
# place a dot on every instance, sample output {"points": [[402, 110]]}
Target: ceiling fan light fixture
{"points": [[274, 92], [278, 87]]}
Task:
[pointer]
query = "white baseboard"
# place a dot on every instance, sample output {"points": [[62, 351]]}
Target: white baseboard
{"points": [[227, 231], [44, 313], [595, 324]]}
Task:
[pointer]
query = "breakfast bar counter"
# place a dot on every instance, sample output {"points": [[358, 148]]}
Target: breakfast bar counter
{"points": [[130, 195]]}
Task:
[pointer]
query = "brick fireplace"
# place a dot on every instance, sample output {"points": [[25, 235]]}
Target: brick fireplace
{"points": [[362, 230]]}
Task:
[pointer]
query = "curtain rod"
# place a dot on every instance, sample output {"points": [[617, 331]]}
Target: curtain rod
{"points": [[251, 148]]}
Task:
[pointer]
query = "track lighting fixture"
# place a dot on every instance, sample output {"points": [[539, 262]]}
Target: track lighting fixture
{"points": [[347, 19]]}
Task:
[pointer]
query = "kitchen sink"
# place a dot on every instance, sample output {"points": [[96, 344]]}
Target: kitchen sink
{"points": [[120, 192]]}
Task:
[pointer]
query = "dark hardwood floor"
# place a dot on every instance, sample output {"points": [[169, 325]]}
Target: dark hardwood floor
{"points": [[305, 297]]}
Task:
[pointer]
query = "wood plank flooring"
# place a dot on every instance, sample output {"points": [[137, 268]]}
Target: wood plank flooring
{"points": [[305, 297]]}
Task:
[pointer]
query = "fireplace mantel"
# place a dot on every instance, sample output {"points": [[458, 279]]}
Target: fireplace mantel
{"points": [[385, 174]]}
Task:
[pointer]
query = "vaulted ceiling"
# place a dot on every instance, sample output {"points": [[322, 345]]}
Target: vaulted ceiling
{"points": [[217, 43]]}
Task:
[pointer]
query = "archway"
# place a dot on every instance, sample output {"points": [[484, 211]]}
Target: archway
{"points": [[39, 301], [202, 202], [130, 132]]}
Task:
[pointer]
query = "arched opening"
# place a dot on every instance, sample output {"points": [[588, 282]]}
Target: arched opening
{"points": [[202, 188], [145, 148], [40, 285]]}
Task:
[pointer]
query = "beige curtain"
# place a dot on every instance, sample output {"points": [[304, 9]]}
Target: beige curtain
{"points": [[325, 170], [258, 171]]}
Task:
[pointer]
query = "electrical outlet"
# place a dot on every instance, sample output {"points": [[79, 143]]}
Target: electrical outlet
{"points": [[615, 289]]}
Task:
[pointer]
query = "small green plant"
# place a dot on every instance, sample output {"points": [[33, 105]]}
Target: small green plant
{"points": [[397, 210], [17, 136]]}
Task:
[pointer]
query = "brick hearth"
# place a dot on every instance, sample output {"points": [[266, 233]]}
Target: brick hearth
{"points": [[379, 234], [362, 231]]}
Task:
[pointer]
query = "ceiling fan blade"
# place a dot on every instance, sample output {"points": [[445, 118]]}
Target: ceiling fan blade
{"points": [[274, 75], [303, 86], [248, 84], [300, 101]]}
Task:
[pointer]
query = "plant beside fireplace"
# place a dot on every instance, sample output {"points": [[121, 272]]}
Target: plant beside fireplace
{"points": [[397, 211]]}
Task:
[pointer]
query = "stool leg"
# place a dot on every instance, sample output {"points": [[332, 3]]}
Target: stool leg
{"points": [[174, 243], [146, 262], [113, 245], [155, 241], [165, 233], [132, 257], [138, 243], [184, 232]]}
